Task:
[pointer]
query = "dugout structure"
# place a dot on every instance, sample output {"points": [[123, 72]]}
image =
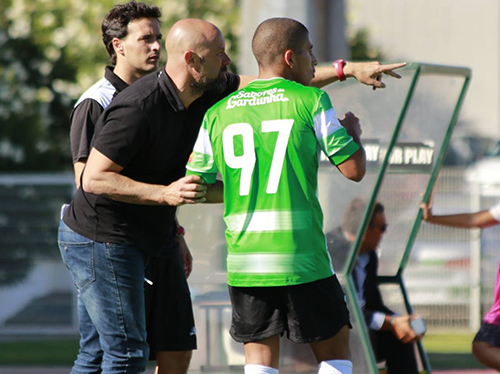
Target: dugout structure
{"points": [[406, 131]]}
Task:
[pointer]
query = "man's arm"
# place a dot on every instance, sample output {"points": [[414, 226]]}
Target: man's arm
{"points": [[215, 192], [102, 177], [78, 169], [354, 168], [83, 120], [401, 328], [479, 220], [368, 73], [184, 252]]}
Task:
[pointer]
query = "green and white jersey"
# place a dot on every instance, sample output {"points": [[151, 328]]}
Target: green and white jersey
{"points": [[264, 140]]}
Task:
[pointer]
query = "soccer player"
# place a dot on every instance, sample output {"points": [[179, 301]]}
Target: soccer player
{"points": [[486, 345], [264, 141]]}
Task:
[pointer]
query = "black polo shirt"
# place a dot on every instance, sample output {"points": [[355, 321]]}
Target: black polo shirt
{"points": [[88, 109], [148, 132]]}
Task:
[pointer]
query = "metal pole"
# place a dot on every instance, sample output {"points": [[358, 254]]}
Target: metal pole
{"points": [[475, 263]]}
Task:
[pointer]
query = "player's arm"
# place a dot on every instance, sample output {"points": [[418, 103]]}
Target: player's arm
{"points": [[184, 252], [215, 192], [368, 73], [78, 169], [102, 177], [83, 120], [353, 168], [479, 220]]}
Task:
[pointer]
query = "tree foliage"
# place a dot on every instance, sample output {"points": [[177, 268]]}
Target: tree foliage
{"points": [[51, 51]]}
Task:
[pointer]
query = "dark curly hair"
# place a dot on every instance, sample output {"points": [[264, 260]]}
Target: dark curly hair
{"points": [[354, 213], [118, 18]]}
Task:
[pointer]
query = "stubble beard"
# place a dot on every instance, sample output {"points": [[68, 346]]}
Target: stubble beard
{"points": [[205, 83]]}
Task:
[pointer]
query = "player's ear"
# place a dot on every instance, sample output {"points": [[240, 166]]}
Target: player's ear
{"points": [[117, 45], [191, 58], [288, 57]]}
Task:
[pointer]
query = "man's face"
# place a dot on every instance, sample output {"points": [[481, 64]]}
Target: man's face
{"points": [[142, 46], [304, 63], [374, 233], [214, 62]]}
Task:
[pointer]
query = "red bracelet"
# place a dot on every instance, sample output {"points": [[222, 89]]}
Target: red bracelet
{"points": [[180, 231], [339, 67]]}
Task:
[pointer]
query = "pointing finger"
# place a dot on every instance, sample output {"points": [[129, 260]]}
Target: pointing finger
{"points": [[387, 67]]}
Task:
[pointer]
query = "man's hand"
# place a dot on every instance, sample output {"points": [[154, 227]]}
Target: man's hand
{"points": [[370, 73], [352, 125], [187, 190], [427, 208], [185, 254], [402, 330], [426, 211]]}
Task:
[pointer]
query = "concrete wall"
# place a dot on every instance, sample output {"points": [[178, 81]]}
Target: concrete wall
{"points": [[324, 19], [450, 32]]}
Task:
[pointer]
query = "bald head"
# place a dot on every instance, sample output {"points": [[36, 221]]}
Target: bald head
{"points": [[274, 37], [190, 34]]}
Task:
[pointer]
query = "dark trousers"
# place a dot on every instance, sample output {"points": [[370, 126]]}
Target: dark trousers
{"points": [[399, 357]]}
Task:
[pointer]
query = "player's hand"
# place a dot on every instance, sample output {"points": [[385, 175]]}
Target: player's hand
{"points": [[185, 254], [352, 125], [187, 190], [427, 208], [370, 73], [402, 330]]}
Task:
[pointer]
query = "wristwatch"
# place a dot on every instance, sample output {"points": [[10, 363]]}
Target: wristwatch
{"points": [[180, 231], [339, 67]]}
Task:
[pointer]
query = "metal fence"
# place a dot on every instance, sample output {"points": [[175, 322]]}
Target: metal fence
{"points": [[451, 273], [450, 276]]}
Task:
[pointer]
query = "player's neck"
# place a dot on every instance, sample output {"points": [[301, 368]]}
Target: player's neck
{"points": [[268, 73], [126, 74]]}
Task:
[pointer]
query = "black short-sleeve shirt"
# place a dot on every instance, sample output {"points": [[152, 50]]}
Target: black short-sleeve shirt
{"points": [[88, 109], [148, 132]]}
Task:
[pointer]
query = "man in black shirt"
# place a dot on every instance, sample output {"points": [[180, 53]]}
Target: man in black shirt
{"points": [[132, 36]]}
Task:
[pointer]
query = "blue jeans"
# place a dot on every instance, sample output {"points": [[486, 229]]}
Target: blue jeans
{"points": [[109, 279]]}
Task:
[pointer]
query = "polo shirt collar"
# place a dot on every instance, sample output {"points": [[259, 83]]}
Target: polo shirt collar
{"points": [[169, 91], [114, 79]]}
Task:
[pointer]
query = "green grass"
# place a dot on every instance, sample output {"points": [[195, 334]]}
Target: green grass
{"points": [[450, 351], [445, 351], [448, 343], [61, 352]]}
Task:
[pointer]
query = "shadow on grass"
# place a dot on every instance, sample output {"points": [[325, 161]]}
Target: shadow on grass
{"points": [[442, 361]]}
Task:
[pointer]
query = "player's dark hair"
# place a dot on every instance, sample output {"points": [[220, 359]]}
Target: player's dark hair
{"points": [[118, 18], [354, 212], [274, 37]]}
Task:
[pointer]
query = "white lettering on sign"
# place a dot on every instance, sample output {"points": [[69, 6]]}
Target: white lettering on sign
{"points": [[418, 156], [372, 151]]}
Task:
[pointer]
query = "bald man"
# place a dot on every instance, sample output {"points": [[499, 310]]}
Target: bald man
{"points": [[122, 220]]}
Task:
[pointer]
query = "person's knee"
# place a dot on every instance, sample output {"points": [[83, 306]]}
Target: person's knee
{"points": [[478, 349], [176, 362], [335, 348]]}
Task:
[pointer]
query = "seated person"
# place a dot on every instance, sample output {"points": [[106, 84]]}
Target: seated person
{"points": [[390, 334]]}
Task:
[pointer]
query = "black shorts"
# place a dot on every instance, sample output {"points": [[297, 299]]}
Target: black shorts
{"points": [[307, 313], [488, 333], [169, 312]]}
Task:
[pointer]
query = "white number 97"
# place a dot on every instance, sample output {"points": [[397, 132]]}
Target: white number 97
{"points": [[246, 162]]}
